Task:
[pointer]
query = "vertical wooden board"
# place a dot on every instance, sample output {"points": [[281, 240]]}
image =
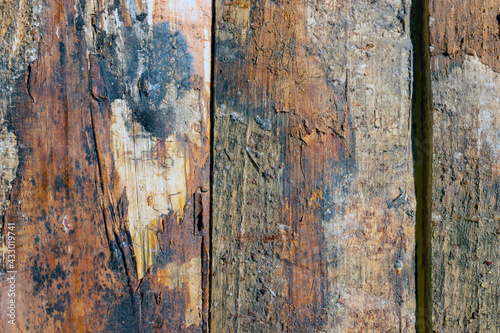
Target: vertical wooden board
{"points": [[105, 129], [465, 44], [313, 219]]}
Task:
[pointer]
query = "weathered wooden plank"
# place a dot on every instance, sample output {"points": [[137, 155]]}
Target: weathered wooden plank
{"points": [[313, 222], [465, 44], [107, 136]]}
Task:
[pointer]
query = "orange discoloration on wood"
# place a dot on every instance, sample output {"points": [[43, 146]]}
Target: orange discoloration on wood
{"points": [[185, 276], [85, 256], [295, 147], [195, 19], [53, 177], [314, 198], [465, 27], [281, 60]]}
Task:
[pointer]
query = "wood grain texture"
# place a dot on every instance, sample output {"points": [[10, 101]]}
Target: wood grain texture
{"points": [[466, 213], [313, 222], [462, 28], [105, 120]]}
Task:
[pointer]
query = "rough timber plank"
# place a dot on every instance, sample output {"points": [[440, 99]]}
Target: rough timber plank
{"points": [[104, 127], [313, 221], [465, 44]]}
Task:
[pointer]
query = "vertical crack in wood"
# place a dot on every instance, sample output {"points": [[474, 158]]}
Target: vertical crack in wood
{"points": [[114, 235], [207, 319], [202, 207], [422, 142]]}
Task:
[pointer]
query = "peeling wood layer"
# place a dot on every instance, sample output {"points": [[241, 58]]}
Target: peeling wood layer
{"points": [[159, 96], [312, 170]]}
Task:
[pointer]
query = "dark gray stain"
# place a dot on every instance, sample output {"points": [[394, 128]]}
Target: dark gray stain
{"points": [[111, 84], [62, 52], [43, 276], [146, 68], [124, 314], [170, 62], [59, 184]]}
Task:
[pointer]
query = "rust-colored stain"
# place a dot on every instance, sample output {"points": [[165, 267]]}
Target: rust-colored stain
{"points": [[315, 198], [465, 27], [111, 184], [308, 95], [97, 249], [284, 61]]}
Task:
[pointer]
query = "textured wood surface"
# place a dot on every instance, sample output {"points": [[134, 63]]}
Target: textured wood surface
{"points": [[105, 171], [465, 44], [105, 166], [313, 224]]}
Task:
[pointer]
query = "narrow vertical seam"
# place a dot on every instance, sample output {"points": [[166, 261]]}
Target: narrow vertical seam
{"points": [[212, 159], [422, 146]]}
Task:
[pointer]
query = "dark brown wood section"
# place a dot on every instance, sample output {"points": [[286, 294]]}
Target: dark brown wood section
{"points": [[105, 174], [465, 44], [313, 223]]}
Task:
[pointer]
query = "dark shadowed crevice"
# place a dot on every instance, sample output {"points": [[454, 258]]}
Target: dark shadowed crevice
{"points": [[422, 145], [207, 324]]}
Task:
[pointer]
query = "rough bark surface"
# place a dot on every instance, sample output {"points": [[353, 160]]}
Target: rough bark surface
{"points": [[104, 134], [313, 224], [465, 36]]}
